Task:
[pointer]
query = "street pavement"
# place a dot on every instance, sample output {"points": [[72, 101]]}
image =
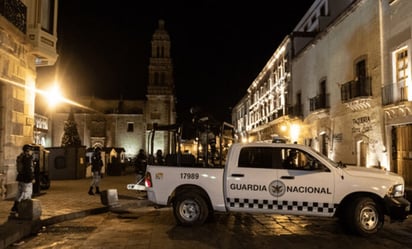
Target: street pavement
{"points": [[67, 200]]}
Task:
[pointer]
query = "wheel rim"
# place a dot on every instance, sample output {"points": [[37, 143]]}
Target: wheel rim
{"points": [[369, 218], [189, 210]]}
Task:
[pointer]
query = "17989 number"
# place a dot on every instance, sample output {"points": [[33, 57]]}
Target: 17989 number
{"points": [[190, 176]]}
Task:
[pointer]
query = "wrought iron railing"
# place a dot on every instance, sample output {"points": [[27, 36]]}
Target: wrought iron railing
{"points": [[318, 102], [15, 12], [295, 110], [355, 89], [394, 93]]}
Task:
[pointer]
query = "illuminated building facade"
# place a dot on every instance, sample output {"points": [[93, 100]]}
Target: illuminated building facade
{"points": [[28, 35], [339, 83]]}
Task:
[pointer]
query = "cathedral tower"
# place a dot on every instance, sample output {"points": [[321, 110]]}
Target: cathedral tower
{"points": [[160, 106]]}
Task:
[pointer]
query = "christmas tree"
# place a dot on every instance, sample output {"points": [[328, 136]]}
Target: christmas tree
{"points": [[71, 136]]}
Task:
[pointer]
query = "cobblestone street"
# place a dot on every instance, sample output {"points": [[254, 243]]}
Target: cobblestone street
{"points": [[151, 228]]}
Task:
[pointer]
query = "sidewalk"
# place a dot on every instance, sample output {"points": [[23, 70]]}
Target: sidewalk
{"points": [[66, 200]]}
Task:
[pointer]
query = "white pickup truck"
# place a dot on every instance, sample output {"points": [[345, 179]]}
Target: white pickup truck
{"points": [[280, 178]]}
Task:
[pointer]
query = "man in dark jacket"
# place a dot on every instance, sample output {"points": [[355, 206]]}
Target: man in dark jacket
{"points": [[97, 164], [25, 176]]}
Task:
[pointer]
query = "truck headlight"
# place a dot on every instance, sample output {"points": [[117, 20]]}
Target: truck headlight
{"points": [[396, 190]]}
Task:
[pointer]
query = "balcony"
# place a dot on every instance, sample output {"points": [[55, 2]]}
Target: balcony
{"points": [[319, 102], [44, 46], [394, 93], [295, 110], [395, 101], [356, 89], [15, 12]]}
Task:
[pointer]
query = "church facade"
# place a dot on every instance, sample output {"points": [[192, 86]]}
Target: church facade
{"points": [[109, 123]]}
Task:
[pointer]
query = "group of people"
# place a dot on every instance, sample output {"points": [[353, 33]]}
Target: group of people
{"points": [[25, 172], [142, 160]]}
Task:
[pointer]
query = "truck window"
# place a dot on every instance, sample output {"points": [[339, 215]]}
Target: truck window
{"points": [[258, 157], [300, 160]]}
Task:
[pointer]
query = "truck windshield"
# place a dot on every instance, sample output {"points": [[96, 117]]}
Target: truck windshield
{"points": [[333, 163]]}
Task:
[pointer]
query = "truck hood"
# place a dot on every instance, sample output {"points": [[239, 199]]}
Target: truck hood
{"points": [[372, 172]]}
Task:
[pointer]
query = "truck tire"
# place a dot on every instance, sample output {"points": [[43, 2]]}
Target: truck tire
{"points": [[190, 209], [364, 216]]}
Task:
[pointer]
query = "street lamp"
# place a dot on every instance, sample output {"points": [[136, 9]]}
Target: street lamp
{"points": [[54, 95]]}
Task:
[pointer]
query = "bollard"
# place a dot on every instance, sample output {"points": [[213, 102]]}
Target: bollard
{"points": [[29, 209], [109, 197]]}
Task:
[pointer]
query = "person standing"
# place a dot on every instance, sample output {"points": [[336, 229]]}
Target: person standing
{"points": [[25, 176], [159, 160], [97, 164], [140, 165]]}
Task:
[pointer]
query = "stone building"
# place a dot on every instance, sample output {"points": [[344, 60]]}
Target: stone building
{"points": [[396, 77], [339, 83], [28, 36], [124, 123], [269, 109]]}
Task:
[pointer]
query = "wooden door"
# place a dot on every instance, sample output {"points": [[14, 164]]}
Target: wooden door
{"points": [[404, 152]]}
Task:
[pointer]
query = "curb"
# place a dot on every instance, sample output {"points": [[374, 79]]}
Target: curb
{"points": [[72, 216]]}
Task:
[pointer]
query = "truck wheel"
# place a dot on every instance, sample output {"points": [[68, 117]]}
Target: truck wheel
{"points": [[190, 209], [364, 216]]}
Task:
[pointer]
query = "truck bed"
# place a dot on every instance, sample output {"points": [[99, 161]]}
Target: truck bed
{"points": [[167, 179]]}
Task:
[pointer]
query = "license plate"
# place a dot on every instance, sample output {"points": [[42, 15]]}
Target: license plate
{"points": [[135, 187]]}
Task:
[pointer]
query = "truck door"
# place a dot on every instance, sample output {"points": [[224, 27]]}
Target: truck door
{"points": [[248, 180], [308, 185]]}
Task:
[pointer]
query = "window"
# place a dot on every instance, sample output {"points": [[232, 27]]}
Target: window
{"points": [[362, 87], [401, 58], [47, 15], [361, 70], [300, 160], [130, 127], [259, 157]]}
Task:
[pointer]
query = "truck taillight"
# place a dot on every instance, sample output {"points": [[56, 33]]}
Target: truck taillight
{"points": [[148, 180]]}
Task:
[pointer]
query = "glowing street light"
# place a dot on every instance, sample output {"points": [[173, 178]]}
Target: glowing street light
{"points": [[54, 96]]}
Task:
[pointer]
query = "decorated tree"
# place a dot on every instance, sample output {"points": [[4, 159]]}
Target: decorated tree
{"points": [[71, 135]]}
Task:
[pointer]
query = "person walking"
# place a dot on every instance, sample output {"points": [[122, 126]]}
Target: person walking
{"points": [[25, 176], [97, 164]]}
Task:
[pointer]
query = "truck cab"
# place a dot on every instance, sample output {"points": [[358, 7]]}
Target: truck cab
{"points": [[282, 178]]}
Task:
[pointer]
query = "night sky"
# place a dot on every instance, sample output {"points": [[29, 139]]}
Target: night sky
{"points": [[218, 47]]}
